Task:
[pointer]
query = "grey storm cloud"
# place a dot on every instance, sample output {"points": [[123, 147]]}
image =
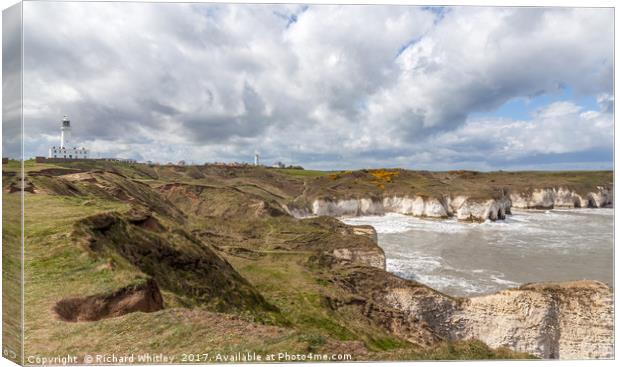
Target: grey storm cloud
{"points": [[317, 85], [11, 82]]}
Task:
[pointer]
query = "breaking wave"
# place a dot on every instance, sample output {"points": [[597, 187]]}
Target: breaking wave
{"points": [[466, 259]]}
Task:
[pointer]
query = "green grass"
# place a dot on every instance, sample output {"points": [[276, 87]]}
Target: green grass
{"points": [[29, 166], [388, 343], [471, 350], [476, 185], [287, 282], [303, 172], [54, 266], [11, 275], [54, 259]]}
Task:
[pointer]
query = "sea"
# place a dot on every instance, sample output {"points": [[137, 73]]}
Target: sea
{"points": [[469, 259]]}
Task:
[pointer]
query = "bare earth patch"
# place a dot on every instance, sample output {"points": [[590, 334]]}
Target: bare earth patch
{"points": [[143, 297]]}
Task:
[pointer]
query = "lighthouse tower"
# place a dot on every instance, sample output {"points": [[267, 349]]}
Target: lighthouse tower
{"points": [[66, 150], [65, 133]]}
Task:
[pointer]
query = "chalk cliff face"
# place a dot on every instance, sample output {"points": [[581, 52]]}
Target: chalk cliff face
{"points": [[373, 256], [478, 211], [570, 320], [551, 320], [602, 198], [348, 207], [368, 258], [417, 206], [462, 207], [561, 198]]}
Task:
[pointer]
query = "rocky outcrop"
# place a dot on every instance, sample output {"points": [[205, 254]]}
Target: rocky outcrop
{"points": [[466, 209], [363, 255], [462, 207], [601, 198], [367, 231], [570, 320], [418, 206], [368, 258], [347, 207], [561, 197], [297, 212]]}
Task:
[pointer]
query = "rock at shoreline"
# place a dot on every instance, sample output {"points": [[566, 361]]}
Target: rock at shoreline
{"points": [[476, 211], [568, 320], [564, 320], [561, 198], [462, 207]]}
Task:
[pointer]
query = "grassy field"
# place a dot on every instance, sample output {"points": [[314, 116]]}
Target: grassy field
{"points": [[57, 268], [382, 182], [11, 276], [303, 172]]}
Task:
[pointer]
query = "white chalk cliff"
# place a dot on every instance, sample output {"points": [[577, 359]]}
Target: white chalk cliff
{"points": [[561, 198], [567, 320], [462, 207], [551, 320]]}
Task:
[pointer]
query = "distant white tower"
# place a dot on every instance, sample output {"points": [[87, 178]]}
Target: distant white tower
{"points": [[65, 150], [65, 133], [256, 159]]}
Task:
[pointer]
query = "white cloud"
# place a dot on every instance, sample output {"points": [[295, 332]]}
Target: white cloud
{"points": [[320, 85], [476, 59], [556, 129]]}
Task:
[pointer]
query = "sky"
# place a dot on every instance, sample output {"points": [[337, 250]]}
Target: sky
{"points": [[325, 87]]}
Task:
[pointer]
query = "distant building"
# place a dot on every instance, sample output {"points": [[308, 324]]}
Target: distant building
{"points": [[256, 159], [66, 150]]}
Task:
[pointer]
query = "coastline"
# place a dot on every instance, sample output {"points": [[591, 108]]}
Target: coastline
{"points": [[134, 225], [463, 258], [462, 207], [519, 315]]}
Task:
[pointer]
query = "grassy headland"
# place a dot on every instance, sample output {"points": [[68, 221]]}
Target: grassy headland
{"points": [[236, 272]]}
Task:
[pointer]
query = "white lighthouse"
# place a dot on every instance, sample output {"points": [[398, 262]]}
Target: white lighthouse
{"points": [[65, 132], [66, 150]]}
